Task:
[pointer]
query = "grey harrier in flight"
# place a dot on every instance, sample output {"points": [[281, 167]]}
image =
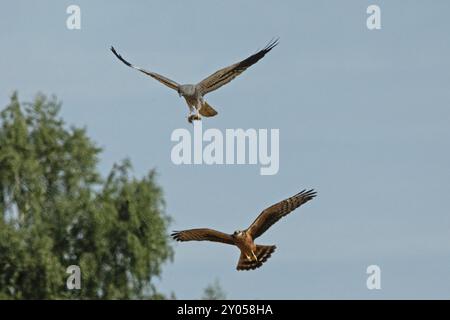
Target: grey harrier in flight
{"points": [[252, 255], [194, 93]]}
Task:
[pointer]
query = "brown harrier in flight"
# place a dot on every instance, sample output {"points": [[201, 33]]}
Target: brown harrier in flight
{"points": [[194, 93], [252, 255]]}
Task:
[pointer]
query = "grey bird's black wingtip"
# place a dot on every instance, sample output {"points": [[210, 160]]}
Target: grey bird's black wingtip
{"points": [[118, 56], [113, 51], [272, 44]]}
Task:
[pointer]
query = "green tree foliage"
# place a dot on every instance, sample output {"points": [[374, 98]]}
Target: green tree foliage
{"points": [[214, 291], [57, 211]]}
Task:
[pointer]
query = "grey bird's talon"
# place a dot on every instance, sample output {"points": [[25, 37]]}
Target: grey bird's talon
{"points": [[194, 117]]}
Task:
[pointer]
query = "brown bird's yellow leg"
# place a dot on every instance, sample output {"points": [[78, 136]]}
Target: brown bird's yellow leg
{"points": [[254, 256]]}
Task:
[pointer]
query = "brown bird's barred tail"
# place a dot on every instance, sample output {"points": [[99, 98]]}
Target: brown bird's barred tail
{"points": [[207, 111], [262, 253]]}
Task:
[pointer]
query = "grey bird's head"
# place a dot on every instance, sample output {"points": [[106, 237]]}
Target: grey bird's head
{"points": [[186, 90]]}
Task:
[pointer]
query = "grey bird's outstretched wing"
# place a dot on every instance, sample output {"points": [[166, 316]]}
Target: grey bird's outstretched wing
{"points": [[225, 75], [170, 83]]}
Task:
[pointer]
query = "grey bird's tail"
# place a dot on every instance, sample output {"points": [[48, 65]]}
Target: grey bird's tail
{"points": [[262, 254], [207, 110]]}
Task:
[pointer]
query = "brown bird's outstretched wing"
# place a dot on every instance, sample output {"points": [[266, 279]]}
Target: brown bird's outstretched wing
{"points": [[274, 213], [202, 234], [225, 75], [170, 83]]}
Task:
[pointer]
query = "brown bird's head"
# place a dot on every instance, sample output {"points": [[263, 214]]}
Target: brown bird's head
{"points": [[238, 234]]}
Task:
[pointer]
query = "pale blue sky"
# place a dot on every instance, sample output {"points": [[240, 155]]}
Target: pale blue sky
{"points": [[364, 118]]}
